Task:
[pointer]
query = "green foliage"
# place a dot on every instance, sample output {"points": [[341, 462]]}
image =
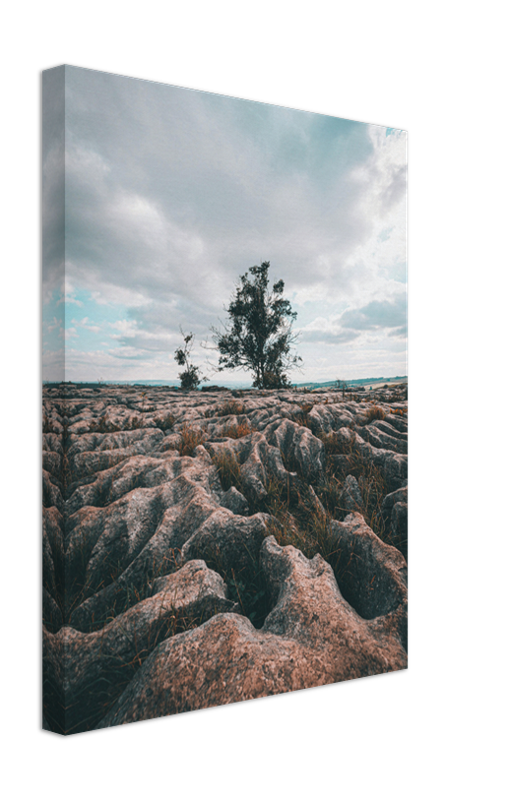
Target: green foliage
{"points": [[273, 380], [259, 337], [190, 378]]}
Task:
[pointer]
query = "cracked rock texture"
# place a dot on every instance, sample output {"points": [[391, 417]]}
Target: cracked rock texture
{"points": [[174, 525]]}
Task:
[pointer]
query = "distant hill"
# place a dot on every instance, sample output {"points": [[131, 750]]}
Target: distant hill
{"points": [[241, 384], [351, 383]]}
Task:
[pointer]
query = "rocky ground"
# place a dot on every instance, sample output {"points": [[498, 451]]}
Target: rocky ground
{"points": [[203, 548]]}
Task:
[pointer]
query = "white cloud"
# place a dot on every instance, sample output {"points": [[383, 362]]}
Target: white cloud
{"points": [[85, 164], [85, 323], [137, 217], [68, 295], [125, 326], [122, 364], [56, 323], [171, 195]]}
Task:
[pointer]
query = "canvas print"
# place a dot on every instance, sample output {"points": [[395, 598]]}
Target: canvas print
{"points": [[224, 391]]}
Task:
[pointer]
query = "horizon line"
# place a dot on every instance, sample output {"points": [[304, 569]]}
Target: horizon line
{"points": [[176, 382]]}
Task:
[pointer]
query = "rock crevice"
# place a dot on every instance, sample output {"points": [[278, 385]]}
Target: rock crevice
{"points": [[164, 589]]}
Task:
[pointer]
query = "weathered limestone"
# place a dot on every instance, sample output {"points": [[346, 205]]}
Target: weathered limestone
{"points": [[351, 498], [186, 598], [235, 501], [310, 638], [138, 620], [395, 513]]}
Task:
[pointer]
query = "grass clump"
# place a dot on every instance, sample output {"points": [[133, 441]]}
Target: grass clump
{"points": [[372, 483], [298, 519], [228, 469], [375, 412], [230, 408], [237, 431], [191, 438], [167, 422], [301, 417]]}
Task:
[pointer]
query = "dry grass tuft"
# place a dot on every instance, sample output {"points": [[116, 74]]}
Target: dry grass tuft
{"points": [[372, 483], [302, 417], [167, 422], [228, 468], [237, 431], [375, 412], [230, 408], [191, 438]]}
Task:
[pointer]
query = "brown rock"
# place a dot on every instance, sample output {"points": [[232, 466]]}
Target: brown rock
{"points": [[312, 637], [123, 510]]}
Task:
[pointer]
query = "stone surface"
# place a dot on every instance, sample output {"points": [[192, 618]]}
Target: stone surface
{"points": [[157, 553], [310, 638], [395, 514], [351, 498]]}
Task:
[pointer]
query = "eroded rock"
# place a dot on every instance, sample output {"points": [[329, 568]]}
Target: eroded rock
{"points": [[310, 638], [351, 498], [92, 662], [150, 493]]}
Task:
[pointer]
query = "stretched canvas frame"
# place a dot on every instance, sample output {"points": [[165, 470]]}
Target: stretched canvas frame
{"points": [[147, 658]]}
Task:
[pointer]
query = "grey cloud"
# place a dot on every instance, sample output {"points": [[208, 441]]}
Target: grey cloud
{"points": [[53, 155], [329, 337], [123, 356], [396, 188], [214, 186], [172, 194], [160, 317], [403, 331], [377, 314]]}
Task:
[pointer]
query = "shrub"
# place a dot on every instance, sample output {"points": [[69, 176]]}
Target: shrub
{"points": [[190, 378], [273, 380]]}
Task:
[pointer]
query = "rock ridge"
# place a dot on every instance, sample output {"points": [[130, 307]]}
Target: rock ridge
{"points": [[204, 548]]}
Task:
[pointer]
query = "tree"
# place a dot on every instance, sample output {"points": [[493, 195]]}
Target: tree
{"points": [[190, 378], [341, 386], [259, 335]]}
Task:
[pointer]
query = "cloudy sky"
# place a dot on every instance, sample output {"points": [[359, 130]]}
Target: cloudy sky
{"points": [[171, 194]]}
